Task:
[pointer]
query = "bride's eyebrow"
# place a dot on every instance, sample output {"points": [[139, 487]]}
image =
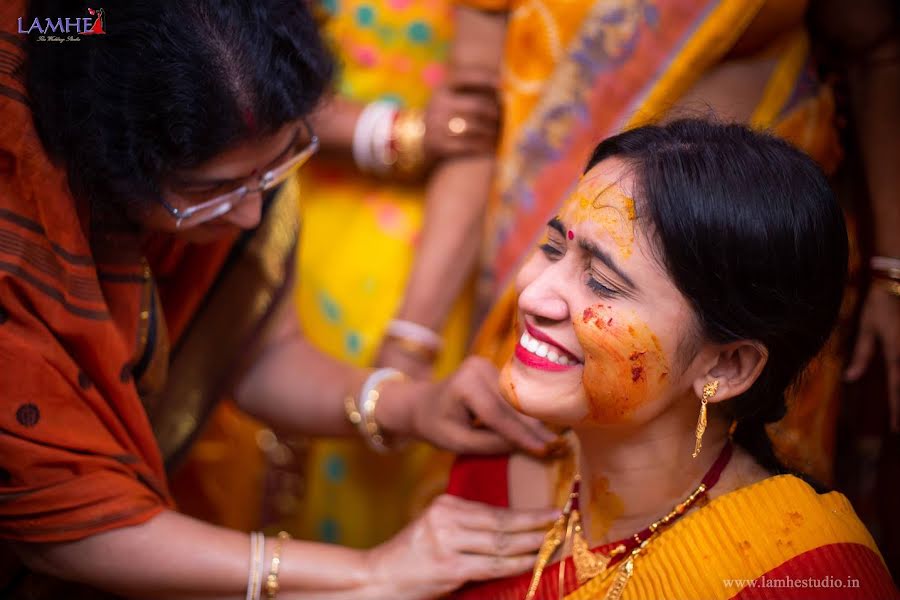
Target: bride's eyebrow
{"points": [[607, 260], [556, 224]]}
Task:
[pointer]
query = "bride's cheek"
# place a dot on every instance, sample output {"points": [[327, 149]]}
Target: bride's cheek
{"points": [[624, 365]]}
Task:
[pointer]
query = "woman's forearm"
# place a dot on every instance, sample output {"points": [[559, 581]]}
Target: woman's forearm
{"points": [[458, 189], [174, 556], [451, 239], [875, 98], [294, 387], [301, 390], [334, 123]]}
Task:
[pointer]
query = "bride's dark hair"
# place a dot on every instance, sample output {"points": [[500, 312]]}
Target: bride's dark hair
{"points": [[750, 232]]}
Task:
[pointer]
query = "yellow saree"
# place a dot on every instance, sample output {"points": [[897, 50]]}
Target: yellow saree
{"points": [[777, 538]]}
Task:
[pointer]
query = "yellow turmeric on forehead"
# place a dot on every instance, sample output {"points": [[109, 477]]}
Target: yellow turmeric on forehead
{"points": [[609, 211]]}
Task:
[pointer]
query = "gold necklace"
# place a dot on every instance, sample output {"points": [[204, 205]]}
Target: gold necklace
{"points": [[567, 531]]}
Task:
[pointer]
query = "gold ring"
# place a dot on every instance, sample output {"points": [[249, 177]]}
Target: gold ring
{"points": [[457, 126]]}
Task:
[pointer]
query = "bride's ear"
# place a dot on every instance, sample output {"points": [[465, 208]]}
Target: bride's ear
{"points": [[736, 367]]}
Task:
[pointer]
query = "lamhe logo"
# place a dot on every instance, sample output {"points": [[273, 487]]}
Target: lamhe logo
{"points": [[92, 25]]}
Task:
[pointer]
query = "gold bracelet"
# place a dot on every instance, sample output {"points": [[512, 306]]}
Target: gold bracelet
{"points": [[415, 348], [891, 286], [271, 587], [408, 137], [889, 274]]}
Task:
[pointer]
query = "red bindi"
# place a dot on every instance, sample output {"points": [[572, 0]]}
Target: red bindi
{"points": [[249, 119], [571, 235]]}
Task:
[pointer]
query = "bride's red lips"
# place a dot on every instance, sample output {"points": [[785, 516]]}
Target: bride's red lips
{"points": [[543, 337]]}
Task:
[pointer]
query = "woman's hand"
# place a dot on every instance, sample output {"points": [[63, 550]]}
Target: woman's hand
{"points": [[462, 117], [465, 413], [453, 542], [880, 323]]}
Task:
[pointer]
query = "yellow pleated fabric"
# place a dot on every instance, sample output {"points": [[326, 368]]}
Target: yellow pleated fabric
{"points": [[713, 551]]}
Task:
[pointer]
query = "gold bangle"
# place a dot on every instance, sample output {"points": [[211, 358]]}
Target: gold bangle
{"points": [[890, 286], [889, 274], [408, 136], [415, 348], [352, 411], [271, 587]]}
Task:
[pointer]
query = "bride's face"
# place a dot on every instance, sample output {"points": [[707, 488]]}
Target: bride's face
{"points": [[605, 336]]}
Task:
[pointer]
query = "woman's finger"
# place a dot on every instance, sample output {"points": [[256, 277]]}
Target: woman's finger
{"points": [[475, 107], [479, 568], [499, 543], [471, 515], [490, 376], [862, 354], [469, 440], [493, 412], [473, 78]]}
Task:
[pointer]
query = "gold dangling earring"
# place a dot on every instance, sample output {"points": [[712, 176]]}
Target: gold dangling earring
{"points": [[709, 390]]}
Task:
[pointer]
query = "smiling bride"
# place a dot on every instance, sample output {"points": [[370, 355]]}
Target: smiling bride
{"points": [[692, 274]]}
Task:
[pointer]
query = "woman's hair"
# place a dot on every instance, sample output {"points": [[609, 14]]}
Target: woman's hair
{"points": [[170, 85], [748, 229]]}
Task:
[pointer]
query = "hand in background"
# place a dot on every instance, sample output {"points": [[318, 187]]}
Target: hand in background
{"points": [[462, 117], [880, 325]]}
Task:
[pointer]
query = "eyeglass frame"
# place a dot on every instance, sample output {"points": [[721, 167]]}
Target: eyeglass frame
{"points": [[267, 181]]}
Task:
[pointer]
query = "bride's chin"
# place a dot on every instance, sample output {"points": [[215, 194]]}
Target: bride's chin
{"points": [[529, 392]]}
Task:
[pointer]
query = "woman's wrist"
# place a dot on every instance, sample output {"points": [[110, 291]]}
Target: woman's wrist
{"points": [[886, 274], [418, 342], [314, 567], [396, 411]]}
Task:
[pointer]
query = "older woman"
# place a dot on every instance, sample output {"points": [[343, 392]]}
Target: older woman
{"points": [[691, 275], [147, 233]]}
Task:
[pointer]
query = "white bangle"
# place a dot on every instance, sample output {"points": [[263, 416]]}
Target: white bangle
{"points": [[369, 395], [420, 334], [257, 557], [885, 263], [372, 136]]}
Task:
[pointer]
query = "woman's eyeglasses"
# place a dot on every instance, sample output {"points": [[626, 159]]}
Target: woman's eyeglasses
{"points": [[223, 203]]}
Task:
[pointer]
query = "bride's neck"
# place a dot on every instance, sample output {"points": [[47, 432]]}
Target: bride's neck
{"points": [[632, 477]]}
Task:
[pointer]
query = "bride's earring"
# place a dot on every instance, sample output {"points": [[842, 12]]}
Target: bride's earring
{"points": [[709, 390]]}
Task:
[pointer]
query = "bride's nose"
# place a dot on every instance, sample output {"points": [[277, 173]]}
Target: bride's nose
{"points": [[542, 298]]}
